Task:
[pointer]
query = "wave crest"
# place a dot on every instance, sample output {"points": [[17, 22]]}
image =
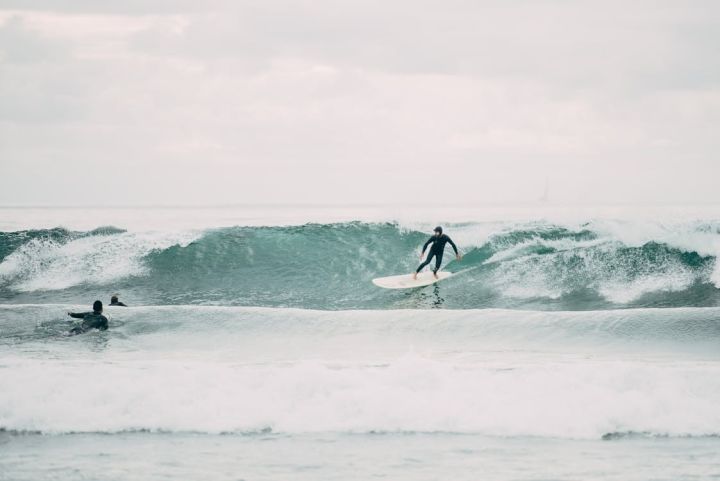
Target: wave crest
{"points": [[591, 266]]}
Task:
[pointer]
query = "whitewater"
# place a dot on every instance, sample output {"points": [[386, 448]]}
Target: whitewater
{"points": [[575, 343]]}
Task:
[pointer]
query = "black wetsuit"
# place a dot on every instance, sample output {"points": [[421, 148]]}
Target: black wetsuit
{"points": [[436, 250], [91, 320], [118, 303]]}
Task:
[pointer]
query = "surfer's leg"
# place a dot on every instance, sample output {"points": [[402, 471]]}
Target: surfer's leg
{"points": [[438, 261], [427, 261]]}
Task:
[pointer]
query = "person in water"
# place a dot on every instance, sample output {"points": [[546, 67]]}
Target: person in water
{"points": [[91, 320], [115, 302], [438, 241]]}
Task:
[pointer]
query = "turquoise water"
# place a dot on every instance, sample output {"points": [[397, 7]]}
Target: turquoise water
{"points": [[259, 349], [532, 265]]}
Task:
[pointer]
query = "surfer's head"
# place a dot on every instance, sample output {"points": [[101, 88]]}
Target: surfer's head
{"points": [[97, 306], [114, 298], [437, 230]]}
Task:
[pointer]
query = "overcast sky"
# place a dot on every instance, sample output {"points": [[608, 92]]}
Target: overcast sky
{"points": [[191, 102]]}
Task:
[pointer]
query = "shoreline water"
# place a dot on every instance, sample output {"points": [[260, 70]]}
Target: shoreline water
{"points": [[155, 456]]}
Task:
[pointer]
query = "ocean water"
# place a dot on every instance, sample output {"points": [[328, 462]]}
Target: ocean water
{"points": [[572, 343]]}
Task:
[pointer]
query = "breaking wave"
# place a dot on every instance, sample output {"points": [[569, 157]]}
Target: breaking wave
{"points": [[595, 265]]}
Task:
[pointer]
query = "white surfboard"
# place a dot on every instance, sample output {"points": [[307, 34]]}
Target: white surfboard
{"points": [[405, 281]]}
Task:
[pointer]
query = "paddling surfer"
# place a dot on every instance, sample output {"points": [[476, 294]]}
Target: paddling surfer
{"points": [[114, 301], [91, 320]]}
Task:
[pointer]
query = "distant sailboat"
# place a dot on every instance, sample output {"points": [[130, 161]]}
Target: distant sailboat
{"points": [[546, 192]]}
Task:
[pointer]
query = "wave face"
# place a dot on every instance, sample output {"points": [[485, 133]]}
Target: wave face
{"points": [[571, 375], [593, 265]]}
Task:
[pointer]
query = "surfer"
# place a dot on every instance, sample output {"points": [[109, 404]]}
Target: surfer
{"points": [[438, 241], [115, 302], [91, 320]]}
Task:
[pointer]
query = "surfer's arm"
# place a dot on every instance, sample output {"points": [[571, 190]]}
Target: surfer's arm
{"points": [[77, 315], [450, 241], [426, 244], [453, 246]]}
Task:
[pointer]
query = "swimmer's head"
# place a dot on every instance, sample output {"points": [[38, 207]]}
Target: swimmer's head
{"points": [[97, 306], [437, 230], [114, 298]]}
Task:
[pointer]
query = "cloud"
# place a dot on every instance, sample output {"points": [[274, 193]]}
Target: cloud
{"points": [[320, 100], [20, 45], [127, 7]]}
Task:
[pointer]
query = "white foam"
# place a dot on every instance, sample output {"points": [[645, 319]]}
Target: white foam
{"points": [[624, 292], [592, 264], [702, 237], [529, 246], [412, 393], [466, 236], [43, 264]]}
